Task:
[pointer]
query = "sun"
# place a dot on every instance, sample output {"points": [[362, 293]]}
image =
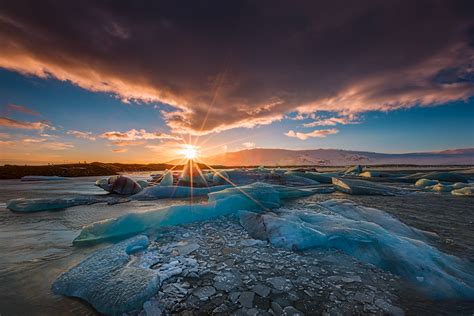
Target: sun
{"points": [[190, 152]]}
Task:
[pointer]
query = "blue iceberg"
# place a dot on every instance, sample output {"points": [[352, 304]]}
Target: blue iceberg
{"points": [[370, 235], [257, 197]]}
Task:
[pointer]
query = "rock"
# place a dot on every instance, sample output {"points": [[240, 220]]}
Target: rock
{"points": [[291, 311], [277, 308], [392, 310], [220, 309], [252, 312], [187, 249], [252, 242], [280, 283], [227, 281], [363, 298], [261, 290], [246, 299], [203, 293], [234, 297]]}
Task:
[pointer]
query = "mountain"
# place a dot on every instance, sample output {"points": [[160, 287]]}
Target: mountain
{"points": [[338, 157]]}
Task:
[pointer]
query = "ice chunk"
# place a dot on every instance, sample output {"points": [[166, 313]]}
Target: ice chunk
{"points": [[442, 187], [360, 187], [119, 184], [256, 197], [355, 170], [426, 183], [371, 236], [466, 191], [377, 174], [167, 179], [447, 177], [307, 175], [142, 183], [220, 177], [192, 175], [111, 280], [164, 192], [440, 176], [42, 178], [49, 204]]}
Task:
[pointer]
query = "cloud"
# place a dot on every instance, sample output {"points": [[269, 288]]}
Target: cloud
{"points": [[134, 134], [120, 150], [21, 109], [83, 135], [6, 143], [57, 146], [317, 133], [331, 121], [248, 144], [223, 67], [11, 123], [34, 140]]}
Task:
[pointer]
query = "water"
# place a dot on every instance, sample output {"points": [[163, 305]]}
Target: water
{"points": [[36, 247]]}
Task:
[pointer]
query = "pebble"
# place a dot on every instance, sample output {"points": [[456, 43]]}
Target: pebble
{"points": [[203, 293]]}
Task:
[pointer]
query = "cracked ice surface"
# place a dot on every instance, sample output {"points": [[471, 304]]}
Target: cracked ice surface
{"points": [[371, 236]]}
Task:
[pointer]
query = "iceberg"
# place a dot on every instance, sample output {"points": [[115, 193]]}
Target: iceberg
{"points": [[442, 187], [50, 204], [166, 179], [42, 178], [355, 170], [360, 187], [466, 191], [220, 177], [256, 197], [370, 235], [111, 280], [119, 185], [425, 183], [175, 191], [440, 176]]}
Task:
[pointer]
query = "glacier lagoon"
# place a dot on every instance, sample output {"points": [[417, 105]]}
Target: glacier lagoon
{"points": [[42, 248]]}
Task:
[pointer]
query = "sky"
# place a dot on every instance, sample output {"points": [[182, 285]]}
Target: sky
{"points": [[117, 81]]}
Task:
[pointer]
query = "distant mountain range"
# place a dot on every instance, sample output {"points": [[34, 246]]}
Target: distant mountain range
{"points": [[337, 157]]}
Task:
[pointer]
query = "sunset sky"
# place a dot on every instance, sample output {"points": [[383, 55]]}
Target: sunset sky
{"points": [[120, 81]]}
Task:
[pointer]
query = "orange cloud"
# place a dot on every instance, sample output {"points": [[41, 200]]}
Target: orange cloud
{"points": [[134, 134], [83, 135], [219, 74], [21, 109], [317, 133], [11, 123]]}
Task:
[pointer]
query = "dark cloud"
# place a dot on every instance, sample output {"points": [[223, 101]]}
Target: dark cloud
{"points": [[225, 64]]}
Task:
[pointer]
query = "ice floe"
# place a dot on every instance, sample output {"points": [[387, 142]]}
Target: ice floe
{"points": [[360, 187], [258, 196], [42, 178], [466, 191], [49, 204], [425, 183], [175, 191], [111, 280], [371, 236]]}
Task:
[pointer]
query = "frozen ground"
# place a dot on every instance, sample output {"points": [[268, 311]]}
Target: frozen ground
{"points": [[263, 278]]}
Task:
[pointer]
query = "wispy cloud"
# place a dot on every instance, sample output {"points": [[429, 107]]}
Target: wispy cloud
{"points": [[21, 109], [120, 150], [34, 140], [331, 121], [80, 134], [11, 123], [57, 145], [134, 134], [6, 143], [317, 133]]}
